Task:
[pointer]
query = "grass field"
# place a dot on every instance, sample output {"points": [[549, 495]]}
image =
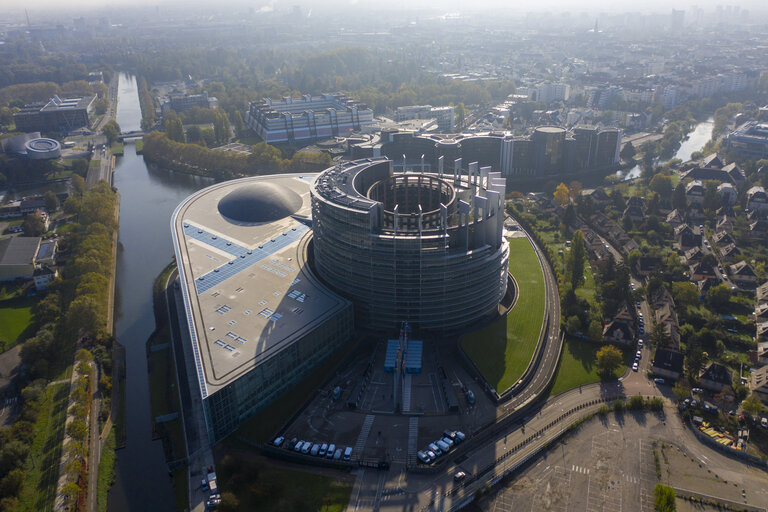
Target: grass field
{"points": [[181, 488], [259, 485], [15, 321], [42, 469], [106, 471], [503, 350], [577, 365], [139, 146]]}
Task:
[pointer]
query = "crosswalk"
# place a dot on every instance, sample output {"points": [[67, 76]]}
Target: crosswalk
{"points": [[413, 437], [407, 382], [579, 469], [364, 432]]}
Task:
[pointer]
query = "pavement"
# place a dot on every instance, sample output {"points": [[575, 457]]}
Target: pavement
{"points": [[104, 171], [199, 453], [608, 464]]}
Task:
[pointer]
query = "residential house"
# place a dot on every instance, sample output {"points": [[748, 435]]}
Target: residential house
{"points": [[44, 275], [695, 214], [646, 265], [695, 192], [665, 313], [675, 218], [619, 331], [757, 199], [693, 255], [716, 378], [723, 238], [758, 229], [758, 383], [18, 257], [727, 194], [634, 209], [724, 224], [701, 270], [688, 236], [743, 274], [667, 363], [599, 197], [730, 252]]}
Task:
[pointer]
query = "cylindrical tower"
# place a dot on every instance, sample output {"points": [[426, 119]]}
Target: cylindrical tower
{"points": [[416, 247]]}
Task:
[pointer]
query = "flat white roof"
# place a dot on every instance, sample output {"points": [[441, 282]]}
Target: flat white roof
{"points": [[247, 289]]}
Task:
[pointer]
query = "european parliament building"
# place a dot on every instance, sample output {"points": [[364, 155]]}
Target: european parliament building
{"points": [[275, 272]]}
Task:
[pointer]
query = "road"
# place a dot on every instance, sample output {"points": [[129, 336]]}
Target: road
{"points": [[104, 170]]}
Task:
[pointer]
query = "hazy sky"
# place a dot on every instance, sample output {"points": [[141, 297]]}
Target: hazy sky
{"points": [[532, 5]]}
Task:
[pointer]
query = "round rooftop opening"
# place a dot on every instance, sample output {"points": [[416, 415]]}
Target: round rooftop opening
{"points": [[259, 202], [409, 191]]}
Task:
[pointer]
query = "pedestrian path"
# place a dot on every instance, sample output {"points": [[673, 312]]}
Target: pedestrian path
{"points": [[413, 438], [363, 437], [407, 383]]}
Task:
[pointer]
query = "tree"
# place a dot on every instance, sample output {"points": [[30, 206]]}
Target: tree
{"points": [[719, 296], [51, 201], [694, 361], [111, 131], [576, 259], [664, 499], [575, 189], [461, 114], [573, 325], [100, 106], [562, 195], [662, 185], [628, 152], [681, 390], [77, 429], [237, 121], [11, 484], [595, 331], [33, 225], [71, 491], [659, 336], [174, 129], [78, 183], [229, 502], [608, 360], [752, 405], [685, 293]]}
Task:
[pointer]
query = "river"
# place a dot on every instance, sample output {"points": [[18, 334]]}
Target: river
{"points": [[696, 140], [147, 199]]}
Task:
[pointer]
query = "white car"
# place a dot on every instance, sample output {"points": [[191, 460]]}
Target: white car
{"points": [[634, 367]]}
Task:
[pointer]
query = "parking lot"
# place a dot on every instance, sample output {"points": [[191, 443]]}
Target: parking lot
{"points": [[380, 427], [609, 465]]}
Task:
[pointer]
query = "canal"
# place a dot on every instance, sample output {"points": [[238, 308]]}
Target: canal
{"points": [[148, 196], [696, 140]]}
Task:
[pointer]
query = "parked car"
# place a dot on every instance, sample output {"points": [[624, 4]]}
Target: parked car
{"points": [[459, 476], [323, 449], [331, 450], [634, 366], [658, 380], [436, 449], [315, 449], [278, 441]]}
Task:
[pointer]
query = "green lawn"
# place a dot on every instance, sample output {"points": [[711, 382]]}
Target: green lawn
{"points": [[139, 146], [259, 485], [181, 488], [106, 471], [15, 321], [116, 148], [42, 468], [503, 350], [577, 365]]}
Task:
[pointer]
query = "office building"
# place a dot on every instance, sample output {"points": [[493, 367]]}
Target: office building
{"points": [[57, 115], [307, 119]]}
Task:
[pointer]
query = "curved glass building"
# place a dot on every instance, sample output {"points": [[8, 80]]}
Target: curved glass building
{"points": [[426, 248]]}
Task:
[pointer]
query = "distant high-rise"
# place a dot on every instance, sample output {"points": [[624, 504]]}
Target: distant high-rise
{"points": [[677, 18]]}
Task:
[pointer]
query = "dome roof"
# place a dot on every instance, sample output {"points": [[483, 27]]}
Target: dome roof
{"points": [[259, 202]]}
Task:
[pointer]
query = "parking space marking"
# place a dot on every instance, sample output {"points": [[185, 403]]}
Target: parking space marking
{"points": [[413, 437]]}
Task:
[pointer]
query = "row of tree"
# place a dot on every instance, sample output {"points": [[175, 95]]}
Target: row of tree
{"points": [[221, 165]]}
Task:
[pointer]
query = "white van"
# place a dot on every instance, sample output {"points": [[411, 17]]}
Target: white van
{"points": [[348, 453], [315, 449], [331, 450], [443, 445]]}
